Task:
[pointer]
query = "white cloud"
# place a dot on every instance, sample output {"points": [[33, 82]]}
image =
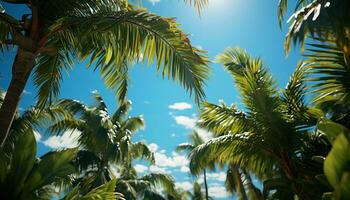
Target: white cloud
{"points": [[220, 176], [187, 122], [146, 102], [185, 169], [186, 185], [26, 92], [67, 140], [37, 136], [140, 168], [115, 171], [180, 106], [156, 169], [154, 1], [173, 135], [190, 123], [200, 47], [218, 192], [176, 160], [153, 147]]}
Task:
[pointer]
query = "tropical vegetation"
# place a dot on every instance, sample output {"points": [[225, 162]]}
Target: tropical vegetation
{"points": [[276, 143]]}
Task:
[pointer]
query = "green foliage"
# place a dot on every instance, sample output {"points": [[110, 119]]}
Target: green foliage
{"points": [[113, 36], [23, 176], [104, 140], [272, 137], [325, 19], [105, 191], [337, 162]]}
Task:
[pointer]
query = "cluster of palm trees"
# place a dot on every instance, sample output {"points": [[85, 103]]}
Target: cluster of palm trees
{"points": [[296, 145], [295, 140]]}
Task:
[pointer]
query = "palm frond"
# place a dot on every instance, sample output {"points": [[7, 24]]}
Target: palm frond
{"points": [[294, 106], [133, 124], [105, 191], [127, 189], [164, 180], [283, 9], [52, 166], [121, 111], [327, 61], [245, 149], [198, 4], [152, 195], [48, 74], [141, 150], [121, 37], [99, 102], [184, 147], [8, 27], [317, 19], [222, 119]]}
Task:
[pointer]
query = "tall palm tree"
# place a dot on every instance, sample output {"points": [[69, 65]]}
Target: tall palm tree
{"points": [[272, 137], [105, 140], [195, 141], [110, 33]]}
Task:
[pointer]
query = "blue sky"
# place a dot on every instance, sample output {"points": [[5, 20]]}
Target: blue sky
{"points": [[169, 112]]}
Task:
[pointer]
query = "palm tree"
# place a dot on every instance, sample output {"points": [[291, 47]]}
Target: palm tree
{"points": [[272, 137], [110, 33], [195, 141], [105, 140]]}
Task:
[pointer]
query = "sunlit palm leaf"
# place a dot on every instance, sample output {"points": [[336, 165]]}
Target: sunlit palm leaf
{"points": [[246, 149], [222, 119], [122, 37]]}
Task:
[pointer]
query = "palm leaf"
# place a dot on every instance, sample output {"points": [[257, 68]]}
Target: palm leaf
{"points": [[246, 150], [222, 119], [52, 166], [121, 37], [48, 74]]}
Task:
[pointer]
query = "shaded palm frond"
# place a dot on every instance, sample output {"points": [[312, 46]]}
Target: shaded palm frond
{"points": [[164, 180], [283, 9], [48, 75], [152, 195], [141, 150], [317, 19], [247, 150], [327, 62], [121, 111], [293, 102], [133, 124]]}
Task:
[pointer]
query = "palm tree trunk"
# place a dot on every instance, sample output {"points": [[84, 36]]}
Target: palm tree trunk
{"points": [[205, 185], [255, 192], [21, 70], [238, 176]]}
